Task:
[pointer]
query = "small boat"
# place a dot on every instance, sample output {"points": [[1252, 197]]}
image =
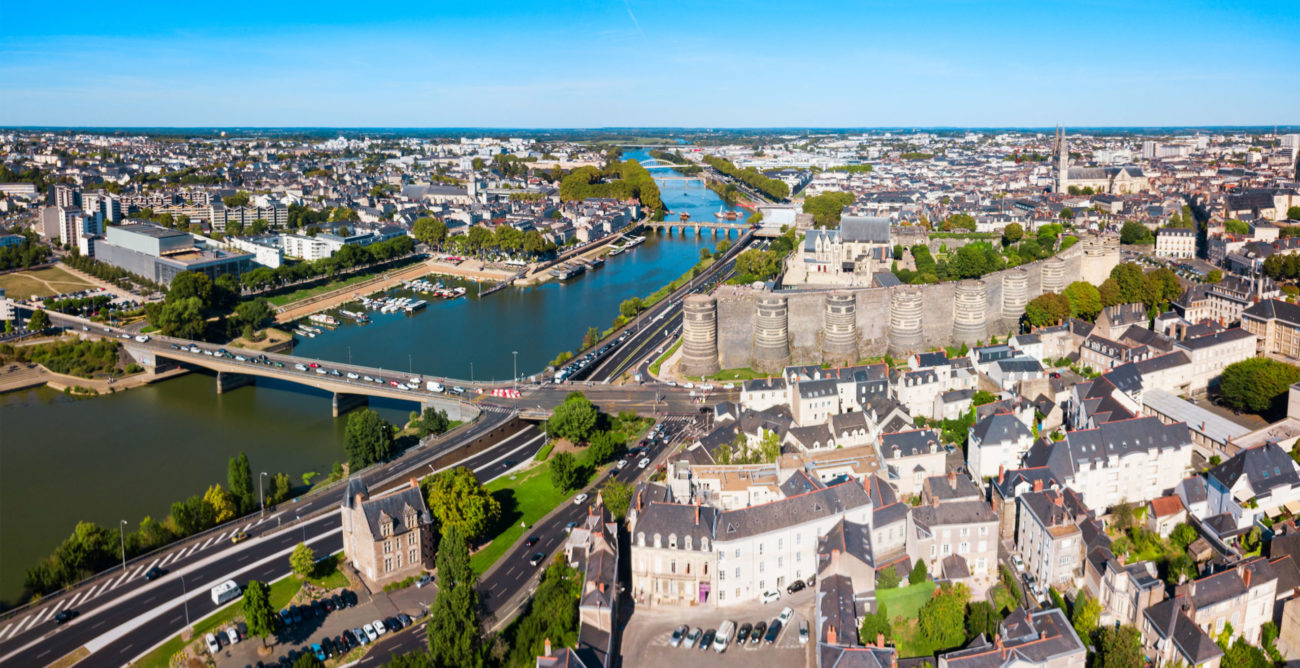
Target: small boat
{"points": [[683, 216], [616, 250]]}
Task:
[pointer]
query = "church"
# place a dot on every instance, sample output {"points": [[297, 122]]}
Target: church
{"points": [[1111, 180]]}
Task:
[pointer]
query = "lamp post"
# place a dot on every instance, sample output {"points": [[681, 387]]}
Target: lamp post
{"points": [[186, 599], [121, 530], [516, 378], [261, 491]]}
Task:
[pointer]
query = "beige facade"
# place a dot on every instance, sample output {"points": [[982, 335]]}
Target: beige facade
{"points": [[389, 537], [1178, 243]]}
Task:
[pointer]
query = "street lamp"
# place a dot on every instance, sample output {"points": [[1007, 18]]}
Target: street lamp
{"points": [[516, 379], [121, 530], [261, 491], [186, 599]]}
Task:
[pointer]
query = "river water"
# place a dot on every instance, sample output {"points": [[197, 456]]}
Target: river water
{"points": [[131, 454]]}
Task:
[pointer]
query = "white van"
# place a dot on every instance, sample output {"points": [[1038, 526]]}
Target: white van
{"points": [[226, 591], [434, 387], [725, 632]]}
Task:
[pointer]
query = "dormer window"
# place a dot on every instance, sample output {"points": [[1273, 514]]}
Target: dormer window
{"points": [[672, 541], [658, 543]]}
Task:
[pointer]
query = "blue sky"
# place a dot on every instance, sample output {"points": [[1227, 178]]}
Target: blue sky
{"points": [[638, 63]]}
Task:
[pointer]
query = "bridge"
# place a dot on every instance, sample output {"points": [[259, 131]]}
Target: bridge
{"points": [[715, 228], [161, 352]]}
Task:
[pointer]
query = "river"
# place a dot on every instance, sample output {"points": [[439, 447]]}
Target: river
{"points": [[64, 460]]}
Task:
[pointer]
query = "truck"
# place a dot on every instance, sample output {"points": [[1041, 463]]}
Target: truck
{"points": [[723, 638], [226, 591], [433, 386]]}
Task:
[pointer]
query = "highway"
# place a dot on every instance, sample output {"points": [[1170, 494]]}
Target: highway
{"points": [[115, 601]]}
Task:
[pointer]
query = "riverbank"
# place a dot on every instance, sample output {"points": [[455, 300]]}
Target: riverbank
{"points": [[15, 377], [541, 273]]}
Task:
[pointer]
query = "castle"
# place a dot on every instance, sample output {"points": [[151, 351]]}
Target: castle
{"points": [[738, 327]]}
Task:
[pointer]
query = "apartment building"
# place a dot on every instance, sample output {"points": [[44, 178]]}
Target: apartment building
{"points": [[1176, 242], [1048, 538], [911, 457], [1041, 639], [1276, 326], [1211, 353], [958, 540], [1255, 482], [995, 443]]}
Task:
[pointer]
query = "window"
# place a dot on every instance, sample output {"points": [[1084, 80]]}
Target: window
{"points": [[410, 538], [762, 566], [780, 543], [947, 549], [722, 595], [388, 547], [415, 556], [963, 548], [760, 549], [780, 561], [965, 531], [672, 541], [672, 566], [933, 549], [388, 564], [640, 539], [737, 575], [722, 575], [737, 553]]}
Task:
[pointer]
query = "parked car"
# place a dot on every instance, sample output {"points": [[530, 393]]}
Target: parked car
{"points": [[211, 641], [424, 580], [772, 632], [363, 637], [319, 651], [232, 636], [370, 632], [803, 632], [404, 618], [796, 586], [756, 636], [768, 596], [378, 626], [286, 617], [692, 638], [742, 634], [677, 635], [706, 641]]}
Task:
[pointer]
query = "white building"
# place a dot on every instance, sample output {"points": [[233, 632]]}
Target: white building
{"points": [[996, 443], [1176, 242]]}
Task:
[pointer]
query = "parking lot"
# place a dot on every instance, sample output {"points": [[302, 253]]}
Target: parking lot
{"points": [[646, 637]]}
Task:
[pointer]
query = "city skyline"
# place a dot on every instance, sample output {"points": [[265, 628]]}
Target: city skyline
{"points": [[628, 64]]}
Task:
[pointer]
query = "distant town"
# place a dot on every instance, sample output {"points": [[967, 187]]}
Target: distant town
{"points": [[883, 398]]}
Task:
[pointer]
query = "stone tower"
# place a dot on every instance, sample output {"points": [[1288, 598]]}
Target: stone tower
{"points": [[840, 328], [699, 336], [1062, 162], [772, 333]]}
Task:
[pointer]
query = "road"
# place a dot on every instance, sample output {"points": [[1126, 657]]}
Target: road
{"points": [[122, 602], [499, 589]]}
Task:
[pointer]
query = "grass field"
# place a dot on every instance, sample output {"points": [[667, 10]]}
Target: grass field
{"points": [[41, 283], [527, 498], [906, 601], [281, 300], [654, 368], [743, 373]]}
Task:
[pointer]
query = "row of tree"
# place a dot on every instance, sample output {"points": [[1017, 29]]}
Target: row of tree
{"points": [[1127, 284], [73, 357], [478, 239], [619, 180], [27, 253], [347, 257], [773, 188], [92, 548]]}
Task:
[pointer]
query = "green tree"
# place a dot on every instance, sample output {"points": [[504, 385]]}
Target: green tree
{"points": [[1243, 655], [254, 313], [1293, 213], [258, 613], [1086, 615], [1117, 648], [1084, 298], [1134, 233], [1214, 276], [302, 561], [1258, 384], [430, 231], [1067, 213], [1234, 226], [221, 502], [888, 578], [826, 207], [876, 624], [919, 573], [722, 247], [1182, 536], [631, 306], [308, 660], [574, 419], [1122, 516], [551, 615], [603, 447], [457, 498], [565, 471], [281, 488], [1012, 233], [617, 496], [453, 621], [433, 421], [942, 618], [981, 618], [1128, 277], [367, 439], [1048, 308], [239, 479], [982, 397], [39, 322]]}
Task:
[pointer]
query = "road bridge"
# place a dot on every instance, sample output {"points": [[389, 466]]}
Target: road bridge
{"points": [[679, 227]]}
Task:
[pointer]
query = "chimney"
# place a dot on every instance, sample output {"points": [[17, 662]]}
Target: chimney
{"points": [[997, 640], [1245, 576], [547, 650], [1038, 485], [831, 635], [952, 480], [934, 502], [1059, 500], [697, 513], [866, 483], [360, 499], [415, 484], [893, 659], [1002, 474], [880, 639]]}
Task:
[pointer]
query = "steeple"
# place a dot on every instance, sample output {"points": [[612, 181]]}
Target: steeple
{"points": [[1062, 162]]}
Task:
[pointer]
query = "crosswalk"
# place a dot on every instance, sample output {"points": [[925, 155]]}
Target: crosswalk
{"points": [[45, 614]]}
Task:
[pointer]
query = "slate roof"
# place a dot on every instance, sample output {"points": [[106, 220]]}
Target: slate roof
{"points": [[790, 511], [1052, 637], [1266, 467], [864, 229], [1171, 622], [1001, 428], [909, 443], [1113, 439], [849, 538], [837, 610], [675, 518], [1269, 309], [952, 513]]}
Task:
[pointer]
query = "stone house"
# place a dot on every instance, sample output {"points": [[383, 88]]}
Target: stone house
{"points": [[911, 457], [389, 537]]}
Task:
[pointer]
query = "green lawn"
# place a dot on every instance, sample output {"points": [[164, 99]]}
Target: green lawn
{"points": [[906, 601], [281, 300], [527, 498], [654, 368], [743, 373]]}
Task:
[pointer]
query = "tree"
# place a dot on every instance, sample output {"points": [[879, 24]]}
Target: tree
{"points": [[1086, 615], [1121, 516], [1179, 568], [565, 471], [1293, 213], [981, 618], [574, 419], [308, 660], [1135, 233], [919, 573], [281, 488], [887, 578], [1067, 213], [222, 504], [432, 421], [1214, 276], [630, 307], [1012, 233], [1048, 308], [302, 561], [826, 207], [430, 231], [1117, 647], [453, 621], [258, 613], [239, 477], [254, 313], [1128, 277], [1084, 298], [1251, 541], [876, 624], [39, 322], [1109, 293], [367, 439], [1243, 655], [942, 618], [722, 247], [1257, 384], [457, 498], [982, 397], [1182, 536], [617, 496], [1234, 226], [602, 448]]}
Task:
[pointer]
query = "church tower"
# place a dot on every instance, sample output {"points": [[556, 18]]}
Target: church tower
{"points": [[1062, 162]]}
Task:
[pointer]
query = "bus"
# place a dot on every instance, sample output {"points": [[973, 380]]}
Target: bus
{"points": [[226, 591]]}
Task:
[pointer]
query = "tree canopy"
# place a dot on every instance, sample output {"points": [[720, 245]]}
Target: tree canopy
{"points": [[1048, 308], [456, 497], [453, 624], [575, 419], [826, 207], [1258, 384], [367, 439]]}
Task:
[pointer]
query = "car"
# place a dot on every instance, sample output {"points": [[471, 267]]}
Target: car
{"points": [[672, 383], [353, 375], [768, 596], [362, 637], [296, 613], [742, 633], [536, 559], [65, 616], [314, 365], [238, 537], [370, 632], [328, 604], [335, 372], [458, 389], [405, 619], [232, 636], [279, 365], [756, 636], [568, 528], [796, 586], [318, 609], [728, 386], [211, 641], [424, 580], [579, 499], [508, 463], [321, 371], [300, 366], [155, 573], [803, 632], [692, 638], [392, 624], [349, 596], [784, 617], [339, 603], [773, 630], [378, 626], [532, 540], [645, 461], [349, 638], [240, 358], [318, 651], [689, 386], [677, 635], [706, 641], [286, 617], [368, 379], [622, 464]]}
